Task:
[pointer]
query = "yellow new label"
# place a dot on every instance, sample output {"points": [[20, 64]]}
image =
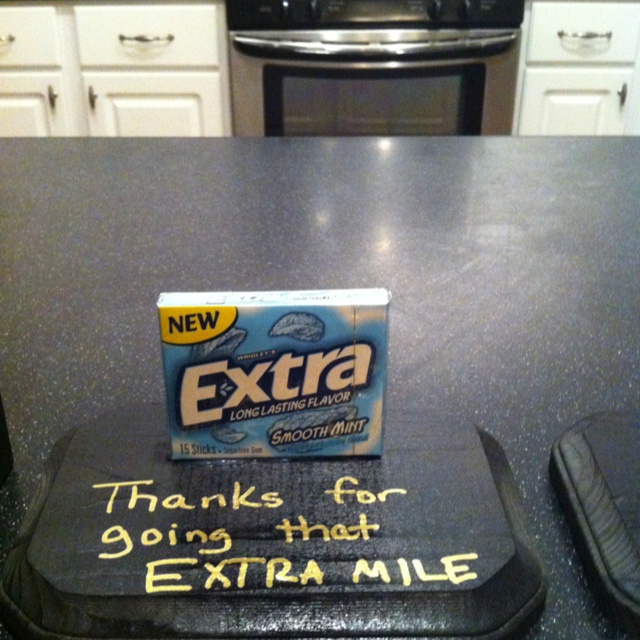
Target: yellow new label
{"points": [[190, 325]]}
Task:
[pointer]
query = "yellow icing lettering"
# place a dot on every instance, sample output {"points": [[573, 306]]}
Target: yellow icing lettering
{"points": [[152, 577], [378, 570], [362, 496], [218, 497], [404, 570], [303, 528], [113, 535], [150, 537], [382, 496], [282, 575], [364, 527], [311, 572], [281, 570], [190, 536], [217, 575], [229, 573], [176, 501], [217, 536], [240, 500], [278, 570], [426, 577], [454, 573], [116, 486], [244, 563], [459, 573], [340, 532], [135, 496], [365, 497], [338, 491], [337, 532], [272, 500]]}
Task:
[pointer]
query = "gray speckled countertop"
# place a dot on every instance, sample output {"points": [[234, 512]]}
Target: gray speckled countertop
{"points": [[513, 265]]}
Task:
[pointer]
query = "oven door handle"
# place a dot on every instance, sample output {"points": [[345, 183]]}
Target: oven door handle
{"points": [[460, 43]]}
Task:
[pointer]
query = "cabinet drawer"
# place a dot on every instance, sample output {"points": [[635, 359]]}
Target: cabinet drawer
{"points": [[28, 37], [584, 32], [158, 36]]}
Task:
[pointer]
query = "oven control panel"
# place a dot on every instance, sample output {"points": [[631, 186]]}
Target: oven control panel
{"points": [[335, 14]]}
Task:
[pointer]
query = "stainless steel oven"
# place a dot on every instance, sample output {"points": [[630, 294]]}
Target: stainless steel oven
{"points": [[373, 67]]}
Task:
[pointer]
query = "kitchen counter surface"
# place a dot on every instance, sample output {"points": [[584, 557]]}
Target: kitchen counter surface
{"points": [[513, 265]]}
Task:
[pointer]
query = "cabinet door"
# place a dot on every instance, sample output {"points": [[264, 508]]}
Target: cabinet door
{"points": [[31, 105], [158, 104], [569, 101], [632, 124]]}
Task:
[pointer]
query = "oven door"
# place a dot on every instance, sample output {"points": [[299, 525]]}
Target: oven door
{"points": [[373, 83]]}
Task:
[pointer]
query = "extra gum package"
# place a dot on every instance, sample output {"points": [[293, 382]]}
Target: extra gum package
{"points": [[275, 374]]}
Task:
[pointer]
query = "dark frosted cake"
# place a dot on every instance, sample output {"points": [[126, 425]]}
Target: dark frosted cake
{"points": [[426, 541]]}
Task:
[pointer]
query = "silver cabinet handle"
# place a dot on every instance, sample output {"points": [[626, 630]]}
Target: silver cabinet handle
{"points": [[93, 97], [53, 97], [622, 94], [8, 39], [586, 35], [142, 39]]}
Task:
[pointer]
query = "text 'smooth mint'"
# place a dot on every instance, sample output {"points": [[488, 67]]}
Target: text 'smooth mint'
{"points": [[263, 374]]}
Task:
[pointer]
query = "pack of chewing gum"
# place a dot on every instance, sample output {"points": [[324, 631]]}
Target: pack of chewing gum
{"points": [[275, 374]]}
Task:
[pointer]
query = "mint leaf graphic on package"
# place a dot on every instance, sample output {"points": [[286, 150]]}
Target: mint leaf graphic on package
{"points": [[301, 326]]}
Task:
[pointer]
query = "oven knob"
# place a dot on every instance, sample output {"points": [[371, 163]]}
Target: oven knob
{"points": [[434, 9], [467, 9], [315, 10], [286, 10]]}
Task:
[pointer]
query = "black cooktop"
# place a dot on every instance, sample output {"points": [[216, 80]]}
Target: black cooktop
{"points": [[323, 14]]}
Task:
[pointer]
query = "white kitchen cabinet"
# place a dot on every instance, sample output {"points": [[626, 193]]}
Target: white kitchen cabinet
{"points": [[165, 104], [152, 72], [30, 105], [579, 69], [32, 101], [113, 70], [582, 102]]}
